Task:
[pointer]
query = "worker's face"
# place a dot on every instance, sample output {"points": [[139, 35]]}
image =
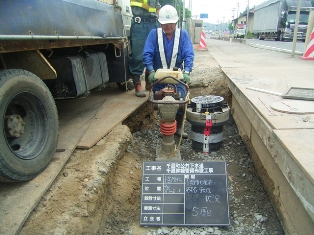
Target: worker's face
{"points": [[169, 28]]}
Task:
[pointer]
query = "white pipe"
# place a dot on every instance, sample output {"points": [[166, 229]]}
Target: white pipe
{"points": [[265, 91]]}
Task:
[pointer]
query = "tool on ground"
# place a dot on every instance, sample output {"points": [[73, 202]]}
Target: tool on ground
{"points": [[283, 103], [297, 93], [168, 102], [269, 110]]}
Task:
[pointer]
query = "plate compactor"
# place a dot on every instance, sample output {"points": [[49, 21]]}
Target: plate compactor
{"points": [[168, 102]]}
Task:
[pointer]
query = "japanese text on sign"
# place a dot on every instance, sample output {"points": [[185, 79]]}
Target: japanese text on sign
{"points": [[184, 193]]}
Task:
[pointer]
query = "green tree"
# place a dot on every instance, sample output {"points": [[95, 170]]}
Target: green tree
{"points": [[230, 26]]}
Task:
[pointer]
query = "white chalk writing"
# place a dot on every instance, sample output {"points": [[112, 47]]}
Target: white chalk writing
{"points": [[203, 211]]}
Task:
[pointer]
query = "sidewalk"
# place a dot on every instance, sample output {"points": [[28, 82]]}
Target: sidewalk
{"points": [[280, 130]]}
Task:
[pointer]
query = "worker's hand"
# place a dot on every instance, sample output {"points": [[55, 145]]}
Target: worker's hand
{"points": [[186, 78], [151, 77]]}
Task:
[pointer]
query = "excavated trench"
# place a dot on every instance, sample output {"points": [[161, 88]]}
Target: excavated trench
{"points": [[99, 193], [99, 190]]}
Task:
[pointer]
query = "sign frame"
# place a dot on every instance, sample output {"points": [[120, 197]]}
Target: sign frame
{"points": [[185, 194]]}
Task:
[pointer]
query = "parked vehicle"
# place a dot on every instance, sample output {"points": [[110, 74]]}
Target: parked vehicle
{"points": [[52, 50], [239, 33], [275, 19]]}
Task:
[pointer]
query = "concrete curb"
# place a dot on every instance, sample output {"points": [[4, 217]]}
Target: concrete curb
{"points": [[273, 48], [244, 41]]}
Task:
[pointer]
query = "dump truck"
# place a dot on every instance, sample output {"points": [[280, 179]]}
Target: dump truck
{"points": [[49, 50], [275, 19]]}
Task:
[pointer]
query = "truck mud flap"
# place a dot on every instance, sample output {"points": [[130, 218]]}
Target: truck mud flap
{"points": [[77, 75], [118, 66]]}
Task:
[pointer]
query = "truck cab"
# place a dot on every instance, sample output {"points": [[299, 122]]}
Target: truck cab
{"points": [[275, 19], [239, 33], [287, 24]]}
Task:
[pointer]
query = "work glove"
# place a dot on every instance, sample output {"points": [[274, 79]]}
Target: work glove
{"points": [[186, 78], [151, 77]]}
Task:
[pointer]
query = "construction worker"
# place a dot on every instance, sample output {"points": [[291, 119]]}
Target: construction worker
{"points": [[143, 21], [169, 47]]}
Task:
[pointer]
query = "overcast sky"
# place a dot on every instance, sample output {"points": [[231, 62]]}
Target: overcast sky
{"points": [[219, 10]]}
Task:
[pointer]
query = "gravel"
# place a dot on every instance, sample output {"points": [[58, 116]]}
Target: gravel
{"points": [[251, 211]]}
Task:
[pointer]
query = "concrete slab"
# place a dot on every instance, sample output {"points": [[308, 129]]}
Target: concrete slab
{"points": [[285, 136], [291, 211]]}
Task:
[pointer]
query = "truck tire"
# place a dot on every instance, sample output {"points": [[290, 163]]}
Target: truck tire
{"points": [[29, 125], [282, 37], [277, 38]]}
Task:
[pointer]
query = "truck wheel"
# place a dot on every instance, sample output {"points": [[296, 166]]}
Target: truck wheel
{"points": [[126, 86], [282, 38], [261, 36], [277, 38], [28, 123]]}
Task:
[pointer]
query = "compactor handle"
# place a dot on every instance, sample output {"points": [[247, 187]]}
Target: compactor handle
{"points": [[151, 94]]}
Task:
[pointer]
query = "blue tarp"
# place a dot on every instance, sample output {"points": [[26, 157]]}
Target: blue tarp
{"points": [[82, 18]]}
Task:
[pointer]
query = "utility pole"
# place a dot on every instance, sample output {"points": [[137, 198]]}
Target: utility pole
{"points": [[233, 9], [296, 29], [183, 17], [233, 21], [247, 16]]}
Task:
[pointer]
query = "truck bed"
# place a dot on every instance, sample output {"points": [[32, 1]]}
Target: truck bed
{"points": [[266, 17], [58, 20]]}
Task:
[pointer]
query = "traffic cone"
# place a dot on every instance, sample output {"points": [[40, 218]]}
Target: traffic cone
{"points": [[202, 46], [309, 53]]}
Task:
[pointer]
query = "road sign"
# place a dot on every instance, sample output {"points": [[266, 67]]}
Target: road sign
{"points": [[204, 16]]}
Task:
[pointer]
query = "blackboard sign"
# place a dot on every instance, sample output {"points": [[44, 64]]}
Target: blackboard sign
{"points": [[184, 193], [300, 93]]}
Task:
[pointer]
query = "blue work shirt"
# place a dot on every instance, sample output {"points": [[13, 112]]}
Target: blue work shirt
{"points": [[151, 56]]}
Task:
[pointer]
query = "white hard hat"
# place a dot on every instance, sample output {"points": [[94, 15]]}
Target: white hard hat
{"points": [[167, 15]]}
